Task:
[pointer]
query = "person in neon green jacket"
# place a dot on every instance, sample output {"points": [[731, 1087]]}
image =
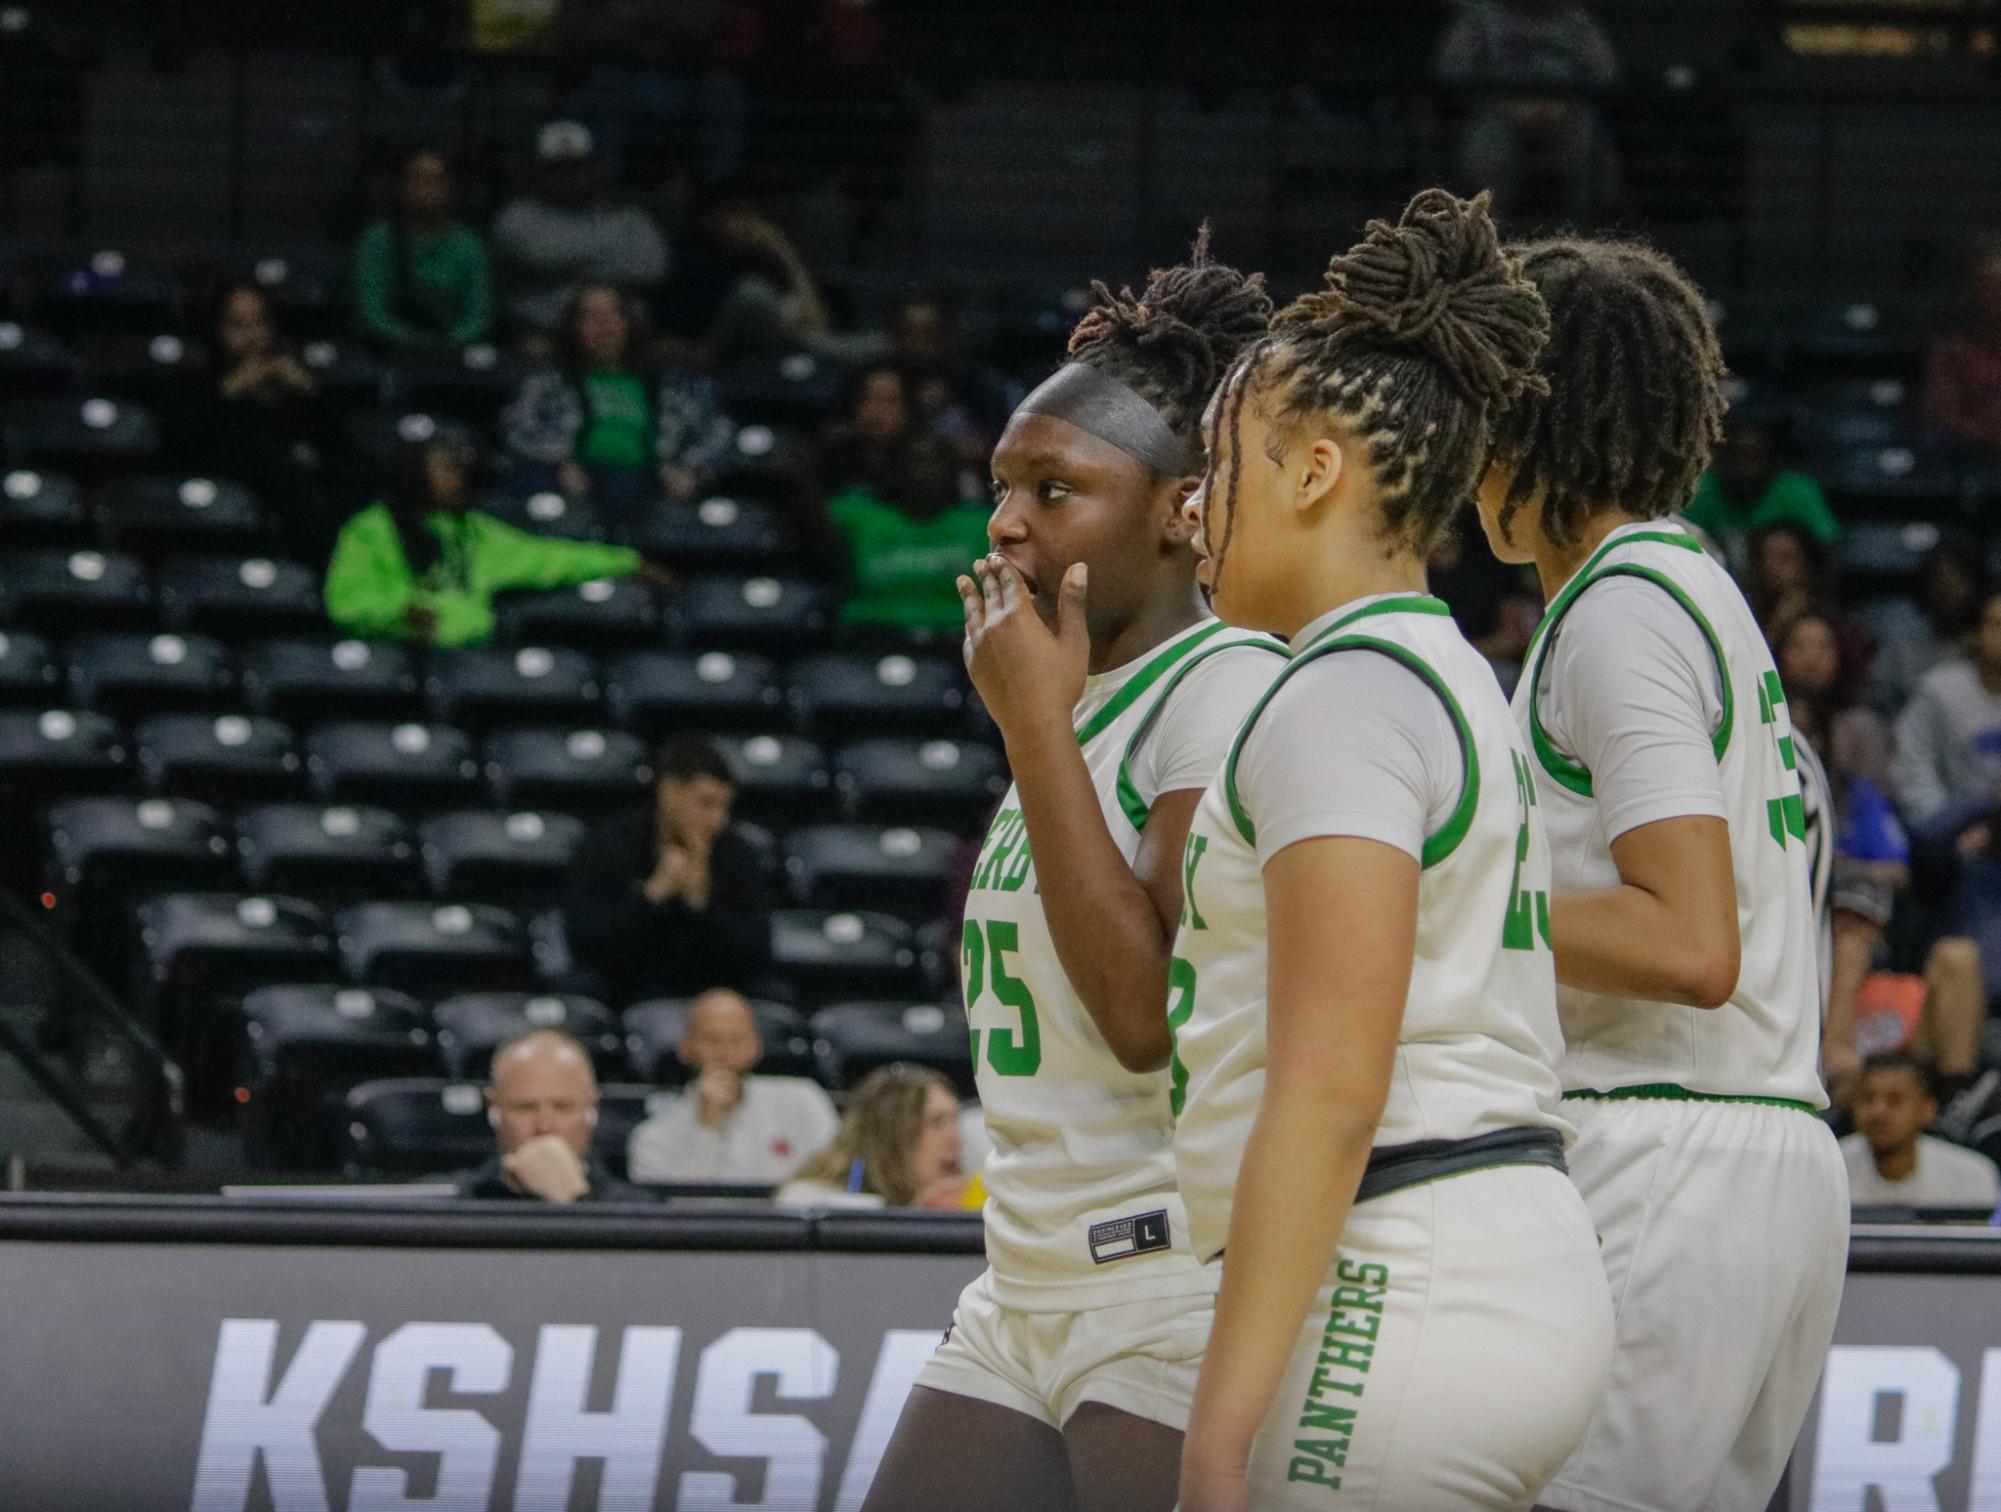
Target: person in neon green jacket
{"points": [[420, 566]]}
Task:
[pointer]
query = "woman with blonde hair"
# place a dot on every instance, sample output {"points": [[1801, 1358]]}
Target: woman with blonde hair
{"points": [[898, 1147]]}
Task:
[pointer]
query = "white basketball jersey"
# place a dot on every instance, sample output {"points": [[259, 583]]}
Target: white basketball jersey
{"points": [[1765, 1042], [1478, 1046], [1080, 1184]]}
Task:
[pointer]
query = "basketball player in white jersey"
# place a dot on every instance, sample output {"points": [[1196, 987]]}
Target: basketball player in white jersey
{"points": [[1066, 1377], [1682, 917], [1412, 1317]]}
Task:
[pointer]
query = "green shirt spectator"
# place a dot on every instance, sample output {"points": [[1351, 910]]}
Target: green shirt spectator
{"points": [[620, 432], [421, 279], [1747, 491], [906, 566]]}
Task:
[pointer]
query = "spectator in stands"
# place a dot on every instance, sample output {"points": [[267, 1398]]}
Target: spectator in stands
{"points": [[421, 280], [898, 1146], [543, 1104], [859, 450], [1962, 404], [1948, 762], [672, 901], [953, 397], [571, 231], [772, 301], [597, 423], [421, 566], [1893, 1162], [1515, 138], [1747, 490], [731, 1125], [1820, 687], [1948, 588]]}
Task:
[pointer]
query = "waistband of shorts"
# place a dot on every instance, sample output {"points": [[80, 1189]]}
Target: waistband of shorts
{"points": [[1394, 1168], [1672, 1092]]}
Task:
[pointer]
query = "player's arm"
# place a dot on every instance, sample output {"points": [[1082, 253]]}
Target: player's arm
{"points": [[1335, 1010], [1641, 698]]}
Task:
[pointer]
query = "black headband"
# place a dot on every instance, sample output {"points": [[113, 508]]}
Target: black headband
{"points": [[1099, 403]]}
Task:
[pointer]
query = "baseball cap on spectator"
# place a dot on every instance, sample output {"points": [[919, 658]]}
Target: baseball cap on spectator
{"points": [[564, 141]]}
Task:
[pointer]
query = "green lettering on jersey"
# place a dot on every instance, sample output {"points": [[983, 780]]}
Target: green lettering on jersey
{"points": [[1528, 908], [1180, 1008], [982, 952], [1191, 857], [1785, 815]]}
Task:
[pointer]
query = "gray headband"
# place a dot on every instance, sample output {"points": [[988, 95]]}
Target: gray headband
{"points": [[1098, 403]]}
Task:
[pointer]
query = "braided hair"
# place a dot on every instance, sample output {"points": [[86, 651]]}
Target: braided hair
{"points": [[1172, 343], [1634, 405], [1424, 331]]}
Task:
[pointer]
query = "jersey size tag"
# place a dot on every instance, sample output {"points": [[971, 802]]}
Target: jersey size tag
{"points": [[1137, 1235]]}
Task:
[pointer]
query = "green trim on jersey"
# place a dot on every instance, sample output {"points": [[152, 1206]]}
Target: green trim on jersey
{"points": [[1437, 847], [1410, 603], [1127, 791], [1141, 680], [1674, 1092], [1573, 774]]}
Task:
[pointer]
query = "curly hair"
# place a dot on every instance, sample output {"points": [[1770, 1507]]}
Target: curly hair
{"points": [[1424, 331], [1634, 402], [1173, 341]]}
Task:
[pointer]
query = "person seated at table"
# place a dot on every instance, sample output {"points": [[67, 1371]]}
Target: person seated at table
{"points": [[1892, 1162], [542, 1100], [422, 566], [729, 1124], [898, 1147]]}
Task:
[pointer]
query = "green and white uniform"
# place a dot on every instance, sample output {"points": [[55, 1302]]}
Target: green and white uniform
{"points": [[1081, 1214], [1466, 1245], [1648, 693]]}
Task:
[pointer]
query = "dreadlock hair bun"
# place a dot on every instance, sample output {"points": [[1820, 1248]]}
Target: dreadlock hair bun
{"points": [[1423, 333], [1173, 341], [1633, 403]]}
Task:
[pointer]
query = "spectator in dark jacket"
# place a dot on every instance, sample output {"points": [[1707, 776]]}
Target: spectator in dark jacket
{"points": [[421, 280], [671, 902], [1963, 371], [543, 1104]]}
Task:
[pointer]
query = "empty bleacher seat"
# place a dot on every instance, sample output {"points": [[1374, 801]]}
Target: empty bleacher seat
{"points": [[105, 854], [110, 289], [862, 1036], [225, 758], [718, 534], [152, 366], [60, 751], [1849, 334], [58, 590], [411, 1127], [128, 675], [660, 693], [345, 372], [765, 460], [89, 434], [900, 869], [1748, 327], [780, 778], [403, 766], [762, 613], [305, 1049], [178, 514], [796, 388], [845, 696], [302, 681], [472, 1025], [1885, 479], [621, 1109], [34, 361], [333, 852], [545, 512], [603, 613], [577, 771], [1884, 549], [654, 1029], [469, 383], [844, 955], [479, 688], [500, 858], [248, 596], [31, 673], [41, 509], [948, 782], [429, 949]]}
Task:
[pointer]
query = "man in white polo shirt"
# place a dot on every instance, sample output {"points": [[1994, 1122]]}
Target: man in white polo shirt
{"points": [[727, 1124], [1892, 1162]]}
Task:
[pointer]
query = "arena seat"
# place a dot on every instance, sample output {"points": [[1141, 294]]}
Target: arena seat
{"points": [[621, 1109], [1896, 480], [252, 596], [305, 285], [603, 614], [31, 673], [487, 857], [150, 514], [765, 461], [301, 680], [480, 688], [430, 949], [470, 383], [336, 854], [60, 752], [410, 1127], [1849, 334], [42, 509], [110, 289], [544, 511], [780, 778], [849, 696], [718, 534], [832, 956], [861, 1036], [130, 675], [88, 434], [576, 771], [792, 389], [68, 590], [768, 614], [405, 766], [653, 1032], [472, 1025], [305, 1048], [224, 758], [953, 783], [345, 371], [900, 870], [148, 364], [656, 694], [33, 361], [105, 854]]}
